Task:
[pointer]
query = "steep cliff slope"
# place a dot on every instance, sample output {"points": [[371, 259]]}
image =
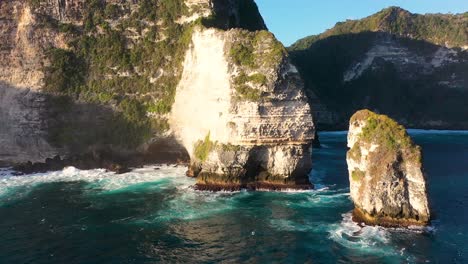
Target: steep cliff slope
{"points": [[411, 67], [79, 75], [387, 184], [133, 77], [241, 112]]}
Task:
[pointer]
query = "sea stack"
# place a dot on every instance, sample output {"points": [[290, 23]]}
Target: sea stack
{"points": [[252, 127], [387, 183]]}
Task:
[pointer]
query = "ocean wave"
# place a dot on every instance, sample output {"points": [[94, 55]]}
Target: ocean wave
{"points": [[322, 201], [97, 179], [287, 191], [292, 226], [413, 229], [191, 204], [371, 239], [6, 172]]}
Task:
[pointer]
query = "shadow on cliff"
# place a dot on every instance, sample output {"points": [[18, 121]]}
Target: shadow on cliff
{"points": [[46, 125], [247, 16], [415, 95], [257, 171]]}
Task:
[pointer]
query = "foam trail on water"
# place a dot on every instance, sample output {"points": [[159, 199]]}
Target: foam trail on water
{"points": [[367, 239], [190, 204], [293, 226]]}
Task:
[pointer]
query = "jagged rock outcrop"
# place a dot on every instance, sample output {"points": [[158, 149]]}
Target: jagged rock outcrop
{"points": [[392, 57], [387, 183], [128, 78], [250, 125]]}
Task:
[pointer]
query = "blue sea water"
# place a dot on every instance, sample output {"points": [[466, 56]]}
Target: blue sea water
{"points": [[151, 215]]}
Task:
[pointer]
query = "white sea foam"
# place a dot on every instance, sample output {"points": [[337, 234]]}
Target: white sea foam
{"points": [[289, 225], [98, 178], [5, 172], [291, 191], [368, 238], [190, 204], [324, 197], [413, 229]]}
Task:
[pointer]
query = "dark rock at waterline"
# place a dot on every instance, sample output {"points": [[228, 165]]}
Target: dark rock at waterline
{"points": [[193, 171], [84, 162], [163, 151], [253, 186], [316, 142]]}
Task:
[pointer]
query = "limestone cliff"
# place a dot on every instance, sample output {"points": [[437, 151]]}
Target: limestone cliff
{"points": [[387, 183], [128, 77], [393, 57], [241, 113]]}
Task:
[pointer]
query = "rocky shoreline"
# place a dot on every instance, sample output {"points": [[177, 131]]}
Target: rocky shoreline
{"points": [[120, 166], [102, 159], [83, 162]]}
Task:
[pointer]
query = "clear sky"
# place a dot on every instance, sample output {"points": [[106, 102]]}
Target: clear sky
{"points": [[291, 20]]}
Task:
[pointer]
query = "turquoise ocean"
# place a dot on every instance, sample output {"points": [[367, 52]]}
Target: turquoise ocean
{"points": [[152, 215]]}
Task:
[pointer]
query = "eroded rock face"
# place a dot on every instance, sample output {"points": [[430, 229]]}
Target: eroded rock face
{"points": [[241, 112], [100, 77], [25, 114], [387, 183]]}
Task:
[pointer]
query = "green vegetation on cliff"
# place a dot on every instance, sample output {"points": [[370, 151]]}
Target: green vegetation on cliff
{"points": [[243, 55], [248, 93], [124, 60], [257, 49], [254, 53], [391, 137], [256, 78], [435, 28], [131, 61], [65, 73], [203, 148], [357, 175], [386, 60]]}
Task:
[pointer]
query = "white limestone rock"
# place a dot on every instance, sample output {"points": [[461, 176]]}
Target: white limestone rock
{"points": [[251, 117], [387, 183]]}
